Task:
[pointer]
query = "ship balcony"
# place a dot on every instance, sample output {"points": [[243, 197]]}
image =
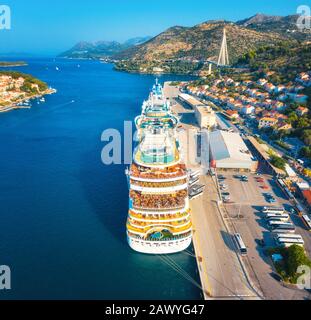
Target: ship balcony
{"points": [[154, 217], [159, 190], [174, 230], [171, 173], [164, 184], [168, 224], [158, 177], [156, 202], [155, 208]]}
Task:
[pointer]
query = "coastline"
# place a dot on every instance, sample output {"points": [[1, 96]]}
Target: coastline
{"points": [[9, 64], [14, 65], [15, 106], [113, 62]]}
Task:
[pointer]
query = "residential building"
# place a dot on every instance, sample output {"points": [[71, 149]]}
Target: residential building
{"points": [[266, 122]]}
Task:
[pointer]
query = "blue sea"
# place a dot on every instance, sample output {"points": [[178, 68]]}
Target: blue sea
{"points": [[63, 212]]}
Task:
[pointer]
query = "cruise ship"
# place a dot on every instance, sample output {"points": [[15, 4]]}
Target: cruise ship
{"points": [[159, 215]]}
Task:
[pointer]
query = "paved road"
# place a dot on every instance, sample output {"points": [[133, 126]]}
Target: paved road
{"points": [[223, 270], [221, 273]]}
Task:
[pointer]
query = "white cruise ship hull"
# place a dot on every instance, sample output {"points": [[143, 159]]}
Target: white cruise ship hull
{"points": [[159, 247]]}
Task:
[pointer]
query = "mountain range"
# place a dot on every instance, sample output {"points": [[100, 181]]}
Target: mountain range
{"points": [[172, 49], [100, 49]]}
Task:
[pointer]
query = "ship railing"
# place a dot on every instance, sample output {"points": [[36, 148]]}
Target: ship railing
{"points": [[175, 238], [175, 224], [158, 184], [174, 229], [159, 217], [144, 208]]}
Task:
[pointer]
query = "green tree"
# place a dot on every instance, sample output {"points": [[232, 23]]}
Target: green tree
{"points": [[306, 136], [296, 257], [277, 161]]}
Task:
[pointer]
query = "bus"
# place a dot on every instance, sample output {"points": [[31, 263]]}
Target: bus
{"points": [[197, 187], [194, 174], [277, 216], [287, 242], [276, 222], [273, 210], [288, 236], [307, 221], [193, 181], [281, 228], [240, 244]]}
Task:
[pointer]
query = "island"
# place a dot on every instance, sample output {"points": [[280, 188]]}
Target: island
{"points": [[16, 89], [7, 64]]}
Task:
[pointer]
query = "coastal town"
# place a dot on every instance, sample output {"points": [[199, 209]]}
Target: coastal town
{"points": [[274, 111], [17, 89]]}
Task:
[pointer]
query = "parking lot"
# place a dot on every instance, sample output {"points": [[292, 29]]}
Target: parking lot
{"points": [[243, 213]]}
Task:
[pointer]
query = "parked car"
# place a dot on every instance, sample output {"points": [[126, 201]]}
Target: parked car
{"points": [[225, 195], [262, 242], [264, 186]]}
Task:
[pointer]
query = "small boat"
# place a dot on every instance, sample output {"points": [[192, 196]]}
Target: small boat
{"points": [[42, 99], [57, 69]]}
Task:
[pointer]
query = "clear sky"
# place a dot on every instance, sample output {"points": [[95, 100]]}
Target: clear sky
{"points": [[52, 26]]}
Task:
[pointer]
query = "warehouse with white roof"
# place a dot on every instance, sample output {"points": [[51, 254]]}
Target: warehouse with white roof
{"points": [[229, 152]]}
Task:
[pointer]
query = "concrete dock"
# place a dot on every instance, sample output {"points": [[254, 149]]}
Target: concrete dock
{"points": [[221, 273]]}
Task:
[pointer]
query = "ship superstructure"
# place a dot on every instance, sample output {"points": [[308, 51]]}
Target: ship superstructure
{"points": [[158, 219]]}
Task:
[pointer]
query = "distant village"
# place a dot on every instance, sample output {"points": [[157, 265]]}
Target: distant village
{"points": [[14, 90]]}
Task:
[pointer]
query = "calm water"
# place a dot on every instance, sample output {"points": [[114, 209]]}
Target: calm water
{"points": [[63, 212]]}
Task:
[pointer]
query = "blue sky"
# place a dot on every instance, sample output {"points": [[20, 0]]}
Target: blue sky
{"points": [[50, 27]]}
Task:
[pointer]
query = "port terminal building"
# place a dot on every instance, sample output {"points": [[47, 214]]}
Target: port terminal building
{"points": [[204, 114], [228, 152]]}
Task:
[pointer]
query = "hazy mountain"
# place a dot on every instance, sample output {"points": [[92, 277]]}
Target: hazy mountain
{"points": [[101, 49], [136, 41]]}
